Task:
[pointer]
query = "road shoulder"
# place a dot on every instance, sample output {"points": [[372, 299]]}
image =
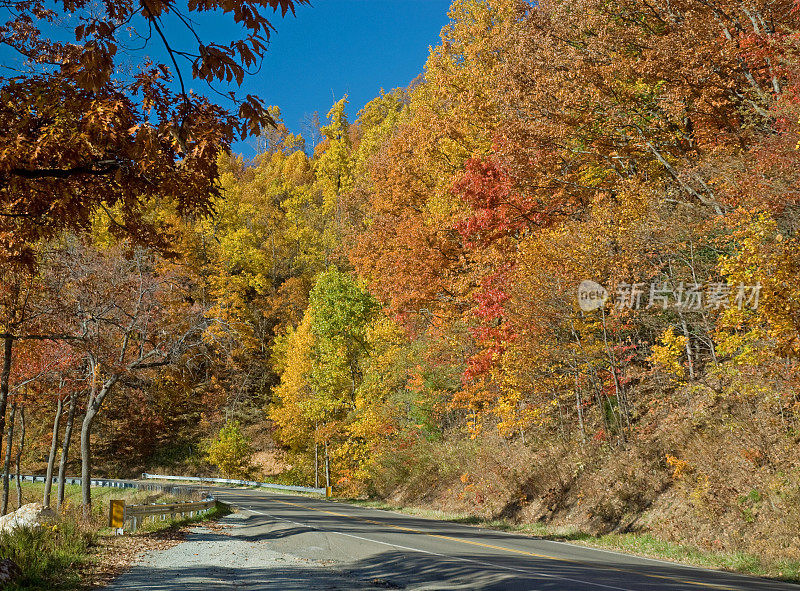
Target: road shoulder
{"points": [[221, 556]]}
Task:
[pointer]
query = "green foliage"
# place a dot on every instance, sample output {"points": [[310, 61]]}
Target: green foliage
{"points": [[49, 557], [342, 310], [323, 398], [231, 452]]}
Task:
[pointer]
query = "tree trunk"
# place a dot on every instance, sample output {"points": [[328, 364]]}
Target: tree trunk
{"points": [[622, 415], [7, 460], [51, 458], [316, 458], [5, 378], [19, 454], [62, 466], [86, 460], [579, 408], [689, 356], [92, 408]]}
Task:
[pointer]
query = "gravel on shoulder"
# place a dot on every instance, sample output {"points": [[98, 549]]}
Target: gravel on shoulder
{"points": [[216, 557]]}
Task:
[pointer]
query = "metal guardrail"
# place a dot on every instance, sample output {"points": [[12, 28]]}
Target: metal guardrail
{"points": [[119, 513], [311, 489], [77, 480], [175, 489]]}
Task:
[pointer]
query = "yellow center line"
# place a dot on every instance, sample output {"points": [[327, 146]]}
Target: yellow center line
{"points": [[504, 549]]}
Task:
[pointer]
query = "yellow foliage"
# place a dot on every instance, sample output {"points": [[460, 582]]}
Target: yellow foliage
{"points": [[679, 467], [765, 265], [668, 356], [290, 410]]}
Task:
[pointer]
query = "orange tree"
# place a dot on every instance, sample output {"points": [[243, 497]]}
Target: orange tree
{"points": [[83, 131]]}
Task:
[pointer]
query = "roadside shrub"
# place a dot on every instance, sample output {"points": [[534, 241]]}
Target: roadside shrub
{"points": [[48, 556], [231, 452]]}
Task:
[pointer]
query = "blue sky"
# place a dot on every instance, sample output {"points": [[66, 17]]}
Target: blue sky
{"points": [[344, 46], [330, 48]]}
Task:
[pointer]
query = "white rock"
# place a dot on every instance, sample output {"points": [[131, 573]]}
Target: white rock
{"points": [[30, 515]]}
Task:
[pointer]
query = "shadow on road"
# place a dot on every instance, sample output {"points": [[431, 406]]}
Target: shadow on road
{"points": [[307, 545]]}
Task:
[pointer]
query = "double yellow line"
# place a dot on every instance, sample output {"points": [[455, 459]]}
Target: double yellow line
{"points": [[504, 549]]}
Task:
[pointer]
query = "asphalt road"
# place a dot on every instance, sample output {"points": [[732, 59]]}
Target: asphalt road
{"points": [[396, 551]]}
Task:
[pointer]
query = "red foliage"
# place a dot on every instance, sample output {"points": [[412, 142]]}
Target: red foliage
{"points": [[493, 332], [498, 210]]}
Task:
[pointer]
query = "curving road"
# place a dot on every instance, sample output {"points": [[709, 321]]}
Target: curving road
{"points": [[373, 549]]}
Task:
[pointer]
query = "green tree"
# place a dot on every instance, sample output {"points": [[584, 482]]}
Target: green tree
{"points": [[231, 451], [319, 408], [342, 310]]}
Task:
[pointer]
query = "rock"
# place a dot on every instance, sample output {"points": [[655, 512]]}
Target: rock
{"points": [[8, 571], [30, 515]]}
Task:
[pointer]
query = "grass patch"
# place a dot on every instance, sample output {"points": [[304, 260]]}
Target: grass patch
{"points": [[55, 556], [49, 557], [32, 492], [645, 544], [641, 544]]}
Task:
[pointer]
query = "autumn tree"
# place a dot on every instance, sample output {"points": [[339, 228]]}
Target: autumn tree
{"points": [[322, 361], [127, 319], [231, 452], [85, 139], [83, 135]]}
